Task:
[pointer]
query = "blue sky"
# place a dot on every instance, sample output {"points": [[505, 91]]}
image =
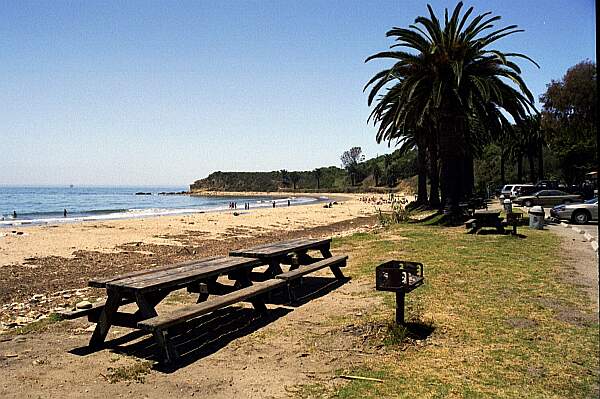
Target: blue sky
{"points": [[150, 92]]}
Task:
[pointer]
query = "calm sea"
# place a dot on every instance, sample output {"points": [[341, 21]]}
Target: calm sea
{"points": [[41, 205]]}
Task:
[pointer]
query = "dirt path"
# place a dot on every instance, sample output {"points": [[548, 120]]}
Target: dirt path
{"points": [[579, 256]]}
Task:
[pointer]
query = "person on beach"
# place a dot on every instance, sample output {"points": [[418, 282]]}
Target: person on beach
{"points": [[273, 204], [65, 212], [15, 214], [288, 202]]}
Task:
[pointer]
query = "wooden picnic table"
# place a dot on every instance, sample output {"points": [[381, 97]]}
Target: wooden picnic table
{"points": [[292, 252], [487, 218], [148, 288]]}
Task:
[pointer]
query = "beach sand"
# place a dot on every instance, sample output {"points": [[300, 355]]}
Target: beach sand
{"points": [[47, 260], [64, 240]]}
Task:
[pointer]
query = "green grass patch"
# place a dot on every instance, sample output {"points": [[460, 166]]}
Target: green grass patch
{"points": [[505, 322], [135, 373], [37, 326]]}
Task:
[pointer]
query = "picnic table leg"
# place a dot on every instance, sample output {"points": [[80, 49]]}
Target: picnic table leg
{"points": [[259, 305], [203, 296], [325, 250], [303, 259], [274, 268], [166, 346], [337, 272], [151, 300], [243, 279], [113, 301], [145, 306], [146, 310]]}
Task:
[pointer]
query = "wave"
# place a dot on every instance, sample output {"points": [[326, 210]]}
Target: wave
{"points": [[53, 217]]}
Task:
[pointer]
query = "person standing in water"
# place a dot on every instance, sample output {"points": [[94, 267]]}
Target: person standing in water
{"points": [[14, 214], [65, 212]]}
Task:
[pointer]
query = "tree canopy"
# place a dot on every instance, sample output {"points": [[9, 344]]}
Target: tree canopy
{"points": [[448, 93]]}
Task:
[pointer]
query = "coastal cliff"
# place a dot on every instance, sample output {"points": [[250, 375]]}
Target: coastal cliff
{"points": [[331, 177]]}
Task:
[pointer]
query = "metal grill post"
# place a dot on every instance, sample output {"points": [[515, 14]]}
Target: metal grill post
{"points": [[399, 307]]}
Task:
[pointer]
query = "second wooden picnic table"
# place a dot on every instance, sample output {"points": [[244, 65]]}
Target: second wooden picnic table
{"points": [[487, 218], [292, 252]]}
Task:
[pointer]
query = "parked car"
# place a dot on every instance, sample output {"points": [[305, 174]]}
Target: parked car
{"points": [[519, 190], [547, 197], [506, 190], [548, 184], [527, 190], [510, 190], [577, 213]]}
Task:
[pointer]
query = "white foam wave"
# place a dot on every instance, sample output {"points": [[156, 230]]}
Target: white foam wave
{"points": [[151, 212]]}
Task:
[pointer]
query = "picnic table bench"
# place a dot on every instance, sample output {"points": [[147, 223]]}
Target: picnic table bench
{"points": [[295, 253], [513, 219], [481, 219], [147, 288]]}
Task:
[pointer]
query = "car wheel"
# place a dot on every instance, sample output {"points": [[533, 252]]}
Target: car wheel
{"points": [[581, 217], [528, 203]]}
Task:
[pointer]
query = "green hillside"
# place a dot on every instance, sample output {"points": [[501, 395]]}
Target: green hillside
{"points": [[382, 172]]}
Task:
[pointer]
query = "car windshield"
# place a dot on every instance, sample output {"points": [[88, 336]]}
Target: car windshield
{"points": [[592, 201]]}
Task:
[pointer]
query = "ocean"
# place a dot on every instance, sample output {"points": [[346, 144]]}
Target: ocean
{"points": [[45, 205]]}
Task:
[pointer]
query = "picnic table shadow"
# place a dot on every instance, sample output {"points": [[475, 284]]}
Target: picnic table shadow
{"points": [[485, 232], [208, 334]]}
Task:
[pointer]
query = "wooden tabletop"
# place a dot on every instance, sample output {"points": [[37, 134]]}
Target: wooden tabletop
{"points": [[486, 212], [281, 248], [177, 274]]}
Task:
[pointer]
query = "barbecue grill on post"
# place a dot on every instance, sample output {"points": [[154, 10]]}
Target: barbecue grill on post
{"points": [[401, 277]]}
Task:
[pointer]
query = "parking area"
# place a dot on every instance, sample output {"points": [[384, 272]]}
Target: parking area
{"points": [[590, 227]]}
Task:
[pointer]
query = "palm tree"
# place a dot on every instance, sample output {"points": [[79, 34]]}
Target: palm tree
{"points": [[451, 80], [285, 178], [376, 170], [318, 173], [533, 136], [294, 178]]}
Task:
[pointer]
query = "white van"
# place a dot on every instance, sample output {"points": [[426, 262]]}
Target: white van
{"points": [[506, 190], [510, 190], [518, 190]]}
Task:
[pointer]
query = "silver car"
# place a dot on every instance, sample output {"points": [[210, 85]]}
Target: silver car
{"points": [[577, 213]]}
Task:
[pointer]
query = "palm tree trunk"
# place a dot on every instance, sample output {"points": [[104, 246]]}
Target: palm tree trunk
{"points": [[452, 148], [520, 168], [502, 167], [422, 175], [531, 168], [469, 175], [434, 179], [540, 161]]}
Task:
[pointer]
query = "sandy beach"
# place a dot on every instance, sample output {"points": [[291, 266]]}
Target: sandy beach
{"points": [[49, 259], [104, 236]]}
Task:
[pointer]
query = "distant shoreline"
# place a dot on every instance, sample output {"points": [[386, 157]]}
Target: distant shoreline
{"points": [[273, 194], [97, 216]]}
